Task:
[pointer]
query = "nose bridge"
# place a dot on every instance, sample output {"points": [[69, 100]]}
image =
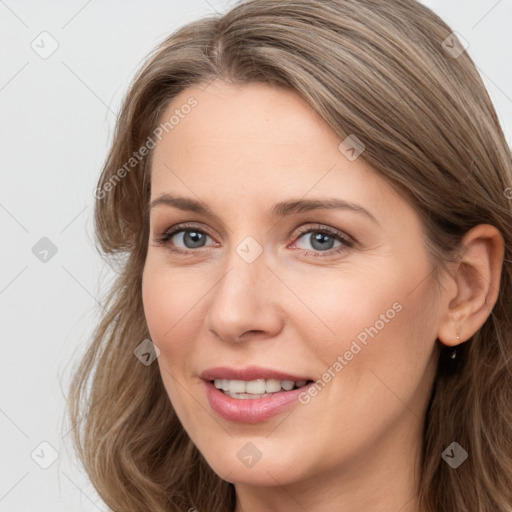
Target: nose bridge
{"points": [[244, 281], [241, 300]]}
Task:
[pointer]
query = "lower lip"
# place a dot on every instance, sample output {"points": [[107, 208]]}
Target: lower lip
{"points": [[251, 410]]}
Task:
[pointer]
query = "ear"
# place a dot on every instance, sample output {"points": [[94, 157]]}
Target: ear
{"points": [[474, 285]]}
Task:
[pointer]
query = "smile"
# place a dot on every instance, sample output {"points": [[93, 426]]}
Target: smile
{"points": [[252, 407], [253, 389]]}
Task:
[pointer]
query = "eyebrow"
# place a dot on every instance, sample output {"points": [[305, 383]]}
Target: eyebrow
{"points": [[281, 209]]}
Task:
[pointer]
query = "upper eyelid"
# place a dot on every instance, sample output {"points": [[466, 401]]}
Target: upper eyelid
{"points": [[174, 230], [330, 230]]}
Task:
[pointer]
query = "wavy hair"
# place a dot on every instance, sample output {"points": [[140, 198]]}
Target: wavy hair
{"points": [[386, 72]]}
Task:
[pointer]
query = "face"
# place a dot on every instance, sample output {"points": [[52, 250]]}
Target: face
{"points": [[272, 257]]}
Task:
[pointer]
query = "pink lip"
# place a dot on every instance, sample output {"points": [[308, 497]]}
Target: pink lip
{"points": [[249, 373], [252, 410]]}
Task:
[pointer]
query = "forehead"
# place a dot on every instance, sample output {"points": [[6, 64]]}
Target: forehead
{"points": [[257, 142], [229, 121]]}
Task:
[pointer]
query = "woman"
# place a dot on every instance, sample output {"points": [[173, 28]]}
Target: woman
{"points": [[308, 203]]}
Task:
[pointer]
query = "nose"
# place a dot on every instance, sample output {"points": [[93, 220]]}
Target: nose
{"points": [[244, 303]]}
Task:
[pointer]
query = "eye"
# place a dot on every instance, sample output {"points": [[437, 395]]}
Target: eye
{"points": [[322, 240], [184, 238], [190, 238]]}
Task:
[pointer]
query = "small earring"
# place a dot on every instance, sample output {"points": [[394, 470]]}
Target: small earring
{"points": [[453, 353]]}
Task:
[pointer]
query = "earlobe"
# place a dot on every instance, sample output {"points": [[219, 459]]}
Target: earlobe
{"points": [[477, 278]]}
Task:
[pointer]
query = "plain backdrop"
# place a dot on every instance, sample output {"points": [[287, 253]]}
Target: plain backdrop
{"points": [[57, 114]]}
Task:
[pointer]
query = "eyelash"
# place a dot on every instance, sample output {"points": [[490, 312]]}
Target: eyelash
{"points": [[337, 235]]}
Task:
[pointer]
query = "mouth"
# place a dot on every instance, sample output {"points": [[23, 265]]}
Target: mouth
{"points": [[258, 388], [252, 394], [249, 404]]}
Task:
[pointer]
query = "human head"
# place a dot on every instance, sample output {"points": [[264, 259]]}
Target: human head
{"points": [[421, 123]]}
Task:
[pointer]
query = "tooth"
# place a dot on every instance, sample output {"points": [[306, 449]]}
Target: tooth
{"points": [[287, 385], [237, 386], [255, 387], [272, 386]]}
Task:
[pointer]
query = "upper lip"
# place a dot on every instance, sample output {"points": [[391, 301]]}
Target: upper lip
{"points": [[248, 374]]}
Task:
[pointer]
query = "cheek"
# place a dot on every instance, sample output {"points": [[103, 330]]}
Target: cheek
{"points": [[171, 299], [346, 305], [170, 303], [382, 319], [385, 338]]}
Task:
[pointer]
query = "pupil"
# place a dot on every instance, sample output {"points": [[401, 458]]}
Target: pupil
{"points": [[324, 241]]}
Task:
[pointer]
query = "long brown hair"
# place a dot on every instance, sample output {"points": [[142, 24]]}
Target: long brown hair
{"points": [[386, 72]]}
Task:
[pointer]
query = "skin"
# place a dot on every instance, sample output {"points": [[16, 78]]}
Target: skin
{"points": [[355, 445]]}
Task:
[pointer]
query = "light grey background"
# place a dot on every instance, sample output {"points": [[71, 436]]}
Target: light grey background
{"points": [[56, 120]]}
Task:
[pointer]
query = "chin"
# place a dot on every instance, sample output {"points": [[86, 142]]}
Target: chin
{"points": [[248, 468]]}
